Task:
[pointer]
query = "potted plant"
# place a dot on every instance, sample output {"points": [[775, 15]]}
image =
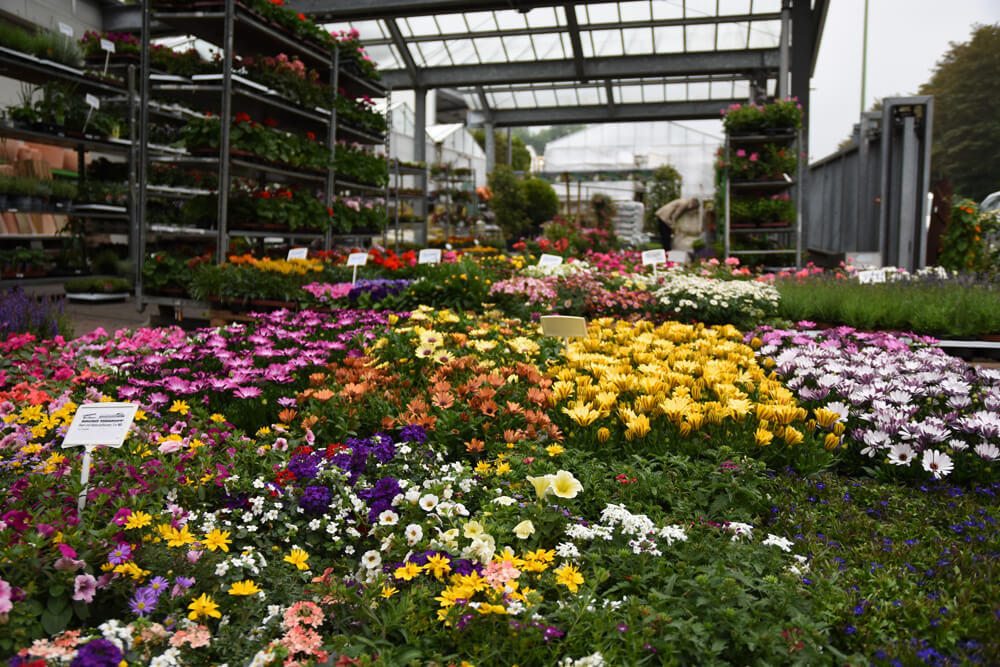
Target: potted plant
{"points": [[97, 289]]}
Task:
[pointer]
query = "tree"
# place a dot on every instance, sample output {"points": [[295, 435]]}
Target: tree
{"points": [[542, 137], [664, 187], [541, 201], [508, 202], [522, 158], [967, 114]]}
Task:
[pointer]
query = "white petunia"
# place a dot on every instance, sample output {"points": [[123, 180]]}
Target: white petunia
{"points": [[428, 502], [371, 559], [388, 518], [414, 534]]}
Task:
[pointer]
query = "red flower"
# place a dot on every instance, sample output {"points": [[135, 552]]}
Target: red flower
{"points": [[270, 122], [311, 136], [243, 117], [265, 194], [332, 450], [278, 3], [302, 17], [284, 477], [302, 450], [329, 210]]}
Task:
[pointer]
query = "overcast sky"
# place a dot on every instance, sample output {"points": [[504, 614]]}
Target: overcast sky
{"points": [[906, 38]]}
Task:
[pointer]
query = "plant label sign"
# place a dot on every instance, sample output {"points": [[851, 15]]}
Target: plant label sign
{"points": [[871, 276], [654, 257], [677, 257], [565, 327], [550, 260], [357, 259], [108, 45], [92, 101], [104, 424], [429, 256], [298, 253], [66, 29]]}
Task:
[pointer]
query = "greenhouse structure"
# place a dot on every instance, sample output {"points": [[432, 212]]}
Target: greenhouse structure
{"points": [[427, 333]]}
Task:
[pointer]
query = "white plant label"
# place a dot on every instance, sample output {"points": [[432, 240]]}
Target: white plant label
{"points": [[871, 276], [357, 259], [429, 256], [92, 101], [298, 253], [66, 29], [677, 257], [550, 260], [100, 424], [654, 257], [108, 45]]}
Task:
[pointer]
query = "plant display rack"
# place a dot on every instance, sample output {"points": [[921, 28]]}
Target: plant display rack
{"points": [[30, 69], [454, 188], [397, 194], [776, 237], [236, 30]]}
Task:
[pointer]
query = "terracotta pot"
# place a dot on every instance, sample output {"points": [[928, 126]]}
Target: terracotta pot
{"points": [[9, 149], [70, 160]]}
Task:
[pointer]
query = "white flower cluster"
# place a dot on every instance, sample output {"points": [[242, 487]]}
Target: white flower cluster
{"points": [[640, 528], [593, 660], [692, 296], [557, 270]]}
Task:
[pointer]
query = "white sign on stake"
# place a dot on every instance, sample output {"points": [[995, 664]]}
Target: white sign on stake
{"points": [[356, 259], [97, 425], [550, 260], [565, 327], [66, 29], [429, 256], [93, 101], [108, 45], [871, 276], [298, 253], [654, 257]]}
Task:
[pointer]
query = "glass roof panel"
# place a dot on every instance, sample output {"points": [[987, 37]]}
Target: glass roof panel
{"points": [[605, 12], [635, 11], [733, 7], [766, 6], [385, 56], [590, 95], [524, 99], [546, 97], [676, 92], [462, 51], [472, 100], [519, 48], [431, 54], [479, 21], [628, 94], [421, 25], [508, 19], [586, 42], [638, 41], [607, 42], [699, 37], [548, 47], [765, 34], [669, 39], [451, 23], [490, 49], [369, 30], [721, 90], [545, 17], [741, 90], [699, 90], [699, 8], [500, 99], [733, 36], [668, 9]]}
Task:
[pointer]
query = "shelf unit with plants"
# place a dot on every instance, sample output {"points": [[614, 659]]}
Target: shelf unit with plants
{"points": [[453, 197], [760, 168], [405, 205], [49, 212], [245, 180]]}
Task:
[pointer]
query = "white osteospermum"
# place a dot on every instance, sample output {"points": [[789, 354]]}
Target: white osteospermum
{"points": [[988, 451], [901, 455], [937, 463]]}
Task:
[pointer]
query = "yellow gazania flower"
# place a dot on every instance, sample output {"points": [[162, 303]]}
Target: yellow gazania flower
{"points": [[408, 571], [137, 519], [203, 606], [217, 418], [792, 436], [298, 558], [218, 539], [502, 469], [180, 407], [247, 587], [603, 434], [438, 565], [483, 468], [637, 428], [388, 591], [583, 414], [826, 418], [762, 436], [570, 577], [831, 441], [554, 450]]}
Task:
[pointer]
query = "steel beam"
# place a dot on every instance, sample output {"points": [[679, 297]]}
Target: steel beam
{"points": [[404, 52], [621, 67], [347, 10], [574, 39], [818, 23], [620, 113]]}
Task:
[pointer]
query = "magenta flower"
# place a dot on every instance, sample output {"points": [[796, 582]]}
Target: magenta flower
{"points": [[84, 588]]}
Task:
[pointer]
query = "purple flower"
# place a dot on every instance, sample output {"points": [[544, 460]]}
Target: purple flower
{"points": [[97, 653], [84, 588], [158, 585], [304, 466], [120, 554], [181, 584], [143, 602], [315, 499], [413, 433]]}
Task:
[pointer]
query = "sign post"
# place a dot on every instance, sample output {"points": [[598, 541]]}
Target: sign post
{"points": [[97, 425], [654, 257], [429, 256], [298, 253], [565, 327], [356, 259], [550, 260]]}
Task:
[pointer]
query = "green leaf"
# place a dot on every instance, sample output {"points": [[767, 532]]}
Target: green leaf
{"points": [[54, 623]]}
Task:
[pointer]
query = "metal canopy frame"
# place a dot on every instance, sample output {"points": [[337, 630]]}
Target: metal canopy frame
{"points": [[505, 59]]}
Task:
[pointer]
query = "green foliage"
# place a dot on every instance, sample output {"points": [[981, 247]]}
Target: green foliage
{"points": [[43, 44], [97, 285], [541, 200], [753, 118], [603, 208], [947, 309], [966, 126], [663, 188], [522, 158], [509, 202], [965, 245], [166, 271]]}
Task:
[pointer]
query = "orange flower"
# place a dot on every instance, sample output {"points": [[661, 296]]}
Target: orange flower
{"points": [[474, 445], [287, 415]]}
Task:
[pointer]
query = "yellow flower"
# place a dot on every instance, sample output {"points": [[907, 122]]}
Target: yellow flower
{"points": [[217, 418], [175, 537], [831, 441], [555, 450], [763, 436], [603, 434], [582, 413], [180, 407], [388, 591], [473, 529], [542, 484], [438, 565], [247, 587], [218, 539], [502, 469], [130, 569], [298, 558], [408, 571], [564, 485], [137, 520], [826, 418], [525, 529], [483, 468], [203, 606], [792, 436], [570, 577]]}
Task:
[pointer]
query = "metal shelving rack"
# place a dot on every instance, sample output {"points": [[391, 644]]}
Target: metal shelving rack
{"points": [[30, 69], [235, 30], [787, 235]]}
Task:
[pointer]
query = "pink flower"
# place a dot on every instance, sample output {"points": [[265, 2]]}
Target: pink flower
{"points": [[303, 613], [5, 592], [733, 261], [754, 157], [741, 153], [84, 588]]}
